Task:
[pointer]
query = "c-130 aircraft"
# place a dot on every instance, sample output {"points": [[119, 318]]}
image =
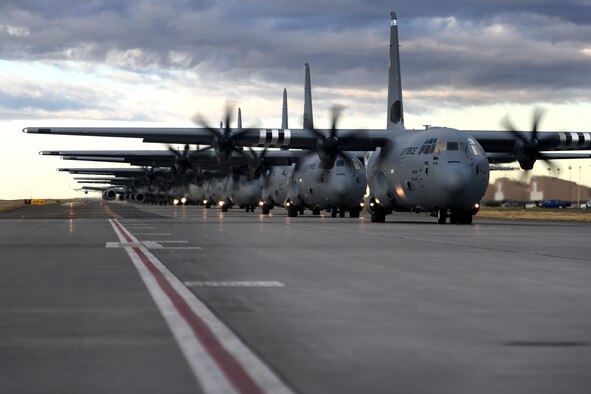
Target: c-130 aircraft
{"points": [[442, 171]]}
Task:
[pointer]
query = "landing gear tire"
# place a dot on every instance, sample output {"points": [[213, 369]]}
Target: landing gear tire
{"points": [[342, 213], [316, 212], [333, 213], [454, 217], [292, 212], [441, 216], [466, 218], [354, 213], [266, 210], [225, 208], [378, 215]]}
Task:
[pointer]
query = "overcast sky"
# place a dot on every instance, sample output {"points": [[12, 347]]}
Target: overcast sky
{"points": [[464, 65]]}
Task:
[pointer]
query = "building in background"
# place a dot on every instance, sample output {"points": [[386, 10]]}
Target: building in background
{"points": [[539, 188]]}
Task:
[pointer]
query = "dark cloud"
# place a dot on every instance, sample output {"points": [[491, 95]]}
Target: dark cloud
{"points": [[502, 46]]}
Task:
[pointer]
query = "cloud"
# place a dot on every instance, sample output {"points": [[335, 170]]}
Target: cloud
{"points": [[513, 51]]}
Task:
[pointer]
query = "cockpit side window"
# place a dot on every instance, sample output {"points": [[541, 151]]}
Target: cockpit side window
{"points": [[474, 148], [340, 163], [428, 147]]}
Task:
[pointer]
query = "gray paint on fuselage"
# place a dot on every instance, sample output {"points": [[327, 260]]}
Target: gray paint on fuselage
{"points": [[342, 186], [405, 178]]}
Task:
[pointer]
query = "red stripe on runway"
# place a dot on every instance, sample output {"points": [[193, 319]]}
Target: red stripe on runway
{"points": [[231, 368]]}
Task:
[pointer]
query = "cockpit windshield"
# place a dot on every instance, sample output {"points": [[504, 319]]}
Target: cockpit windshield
{"points": [[432, 146], [450, 146]]}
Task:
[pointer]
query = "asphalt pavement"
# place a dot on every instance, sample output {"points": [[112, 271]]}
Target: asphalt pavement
{"points": [[319, 304]]}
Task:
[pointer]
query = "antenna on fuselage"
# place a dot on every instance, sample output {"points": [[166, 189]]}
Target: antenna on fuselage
{"points": [[395, 118]]}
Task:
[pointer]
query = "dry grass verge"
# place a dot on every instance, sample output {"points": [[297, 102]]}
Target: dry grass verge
{"points": [[8, 205], [564, 215]]}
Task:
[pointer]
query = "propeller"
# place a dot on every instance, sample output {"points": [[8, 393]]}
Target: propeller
{"points": [[527, 148], [256, 162], [224, 139], [182, 160], [150, 177], [327, 146]]}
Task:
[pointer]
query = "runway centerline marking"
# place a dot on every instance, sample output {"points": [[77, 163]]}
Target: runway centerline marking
{"points": [[220, 361], [235, 284]]}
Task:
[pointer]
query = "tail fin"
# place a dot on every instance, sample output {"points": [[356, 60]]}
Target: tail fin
{"points": [[308, 116], [284, 111], [395, 119], [239, 118]]}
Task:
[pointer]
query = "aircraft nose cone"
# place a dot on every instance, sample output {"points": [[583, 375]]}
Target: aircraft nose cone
{"points": [[341, 188], [455, 180]]}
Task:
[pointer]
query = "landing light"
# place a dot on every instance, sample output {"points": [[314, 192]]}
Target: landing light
{"points": [[361, 204], [175, 202], [288, 204], [476, 205], [221, 203], [377, 201], [371, 204], [261, 203], [183, 200], [204, 202]]}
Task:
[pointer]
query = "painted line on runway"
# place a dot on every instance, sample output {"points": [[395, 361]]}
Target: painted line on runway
{"points": [[235, 284], [109, 212], [158, 245], [220, 362], [151, 245], [159, 234]]}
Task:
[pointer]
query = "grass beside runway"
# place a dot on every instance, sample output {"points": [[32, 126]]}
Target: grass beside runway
{"points": [[9, 205], [563, 215]]}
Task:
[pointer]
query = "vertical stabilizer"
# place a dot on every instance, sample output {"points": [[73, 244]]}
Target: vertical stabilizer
{"points": [[284, 125], [308, 116], [239, 118], [395, 110]]}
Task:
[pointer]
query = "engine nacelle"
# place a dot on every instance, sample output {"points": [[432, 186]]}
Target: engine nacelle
{"points": [[140, 197], [109, 194]]}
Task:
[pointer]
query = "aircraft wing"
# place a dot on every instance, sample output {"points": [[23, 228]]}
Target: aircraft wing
{"points": [[102, 188], [349, 139], [205, 160], [120, 172], [504, 141], [492, 141], [498, 157]]}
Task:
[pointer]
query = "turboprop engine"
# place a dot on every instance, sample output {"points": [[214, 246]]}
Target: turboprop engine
{"points": [[109, 194]]}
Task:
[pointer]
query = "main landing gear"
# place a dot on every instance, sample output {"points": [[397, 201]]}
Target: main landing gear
{"points": [[455, 216]]}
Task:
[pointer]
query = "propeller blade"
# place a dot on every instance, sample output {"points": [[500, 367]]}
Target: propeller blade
{"points": [[508, 125], [537, 117]]}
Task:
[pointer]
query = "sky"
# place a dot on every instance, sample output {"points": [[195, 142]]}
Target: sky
{"points": [[465, 65]]}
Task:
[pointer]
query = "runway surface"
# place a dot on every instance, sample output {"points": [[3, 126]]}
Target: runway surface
{"points": [[115, 297]]}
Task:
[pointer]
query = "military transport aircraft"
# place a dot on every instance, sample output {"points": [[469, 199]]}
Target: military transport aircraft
{"points": [[295, 179], [439, 170]]}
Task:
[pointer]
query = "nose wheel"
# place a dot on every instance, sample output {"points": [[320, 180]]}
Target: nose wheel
{"points": [[441, 216]]}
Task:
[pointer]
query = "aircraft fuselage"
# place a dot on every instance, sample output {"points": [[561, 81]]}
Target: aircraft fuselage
{"points": [[428, 171]]}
